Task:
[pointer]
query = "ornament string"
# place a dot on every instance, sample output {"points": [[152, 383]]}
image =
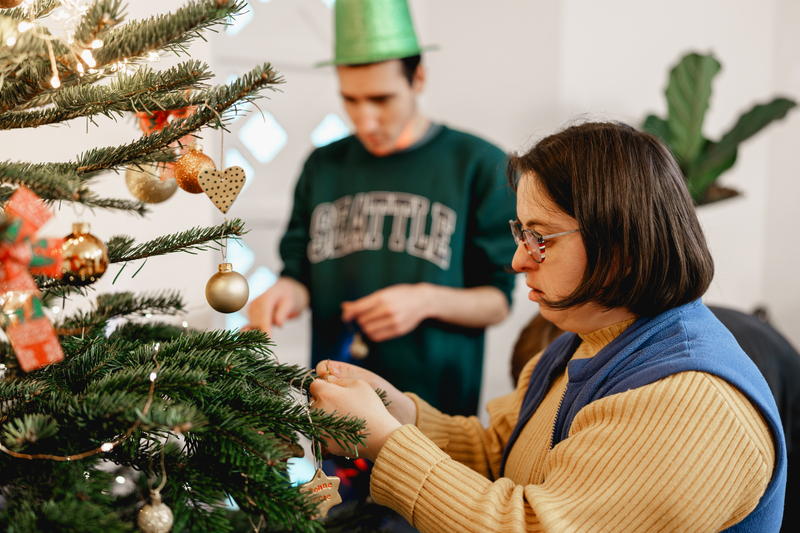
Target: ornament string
{"points": [[316, 447], [223, 242], [106, 446], [163, 470]]}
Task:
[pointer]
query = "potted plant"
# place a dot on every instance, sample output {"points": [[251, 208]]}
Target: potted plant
{"points": [[702, 160]]}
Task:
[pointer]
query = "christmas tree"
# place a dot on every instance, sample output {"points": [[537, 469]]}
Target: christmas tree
{"points": [[194, 418]]}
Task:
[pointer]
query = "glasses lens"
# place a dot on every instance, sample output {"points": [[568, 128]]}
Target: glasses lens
{"points": [[532, 243], [515, 232]]}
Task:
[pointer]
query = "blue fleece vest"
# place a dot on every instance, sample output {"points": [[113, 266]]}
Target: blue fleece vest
{"points": [[687, 338]]}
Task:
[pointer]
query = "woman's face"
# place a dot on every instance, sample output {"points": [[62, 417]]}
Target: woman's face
{"points": [[561, 272]]}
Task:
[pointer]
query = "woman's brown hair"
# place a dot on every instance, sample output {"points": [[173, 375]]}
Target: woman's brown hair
{"points": [[645, 249]]}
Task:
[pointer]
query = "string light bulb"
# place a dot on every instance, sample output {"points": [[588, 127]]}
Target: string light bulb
{"points": [[106, 447], [97, 43], [24, 26], [11, 41], [88, 58]]}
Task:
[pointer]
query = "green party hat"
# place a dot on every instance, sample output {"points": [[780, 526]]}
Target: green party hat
{"points": [[368, 31]]}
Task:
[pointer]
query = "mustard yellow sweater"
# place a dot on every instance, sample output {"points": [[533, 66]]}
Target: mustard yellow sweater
{"points": [[686, 453]]}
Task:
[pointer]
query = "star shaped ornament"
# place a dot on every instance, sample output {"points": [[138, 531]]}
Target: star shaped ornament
{"points": [[324, 491]]}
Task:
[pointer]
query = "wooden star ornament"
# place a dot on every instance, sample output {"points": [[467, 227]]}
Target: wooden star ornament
{"points": [[324, 491]]}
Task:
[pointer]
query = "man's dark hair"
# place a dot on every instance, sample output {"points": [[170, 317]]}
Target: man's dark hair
{"points": [[408, 64], [644, 246]]}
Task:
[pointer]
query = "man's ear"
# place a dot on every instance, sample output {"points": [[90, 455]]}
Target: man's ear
{"points": [[418, 81]]}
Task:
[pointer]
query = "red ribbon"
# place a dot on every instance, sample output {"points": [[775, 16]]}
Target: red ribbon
{"points": [[31, 334]]}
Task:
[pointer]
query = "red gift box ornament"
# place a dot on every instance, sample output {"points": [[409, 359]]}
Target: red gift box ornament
{"points": [[31, 334]]}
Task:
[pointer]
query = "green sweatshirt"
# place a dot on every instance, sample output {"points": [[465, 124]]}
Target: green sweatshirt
{"points": [[436, 213]]}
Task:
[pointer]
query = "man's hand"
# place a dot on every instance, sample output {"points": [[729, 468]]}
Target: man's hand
{"points": [[284, 300], [391, 312], [400, 406]]}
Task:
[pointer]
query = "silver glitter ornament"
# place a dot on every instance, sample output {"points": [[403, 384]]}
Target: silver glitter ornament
{"points": [[155, 517]]}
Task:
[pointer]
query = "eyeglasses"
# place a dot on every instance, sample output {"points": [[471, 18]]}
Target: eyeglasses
{"points": [[534, 242]]}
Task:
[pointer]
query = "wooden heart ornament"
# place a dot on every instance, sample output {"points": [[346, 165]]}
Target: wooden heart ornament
{"points": [[222, 187]]}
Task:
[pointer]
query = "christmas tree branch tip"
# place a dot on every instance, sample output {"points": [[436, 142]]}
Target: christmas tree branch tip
{"points": [[121, 249]]}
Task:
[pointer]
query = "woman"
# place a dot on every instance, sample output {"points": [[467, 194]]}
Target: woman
{"points": [[647, 416]]}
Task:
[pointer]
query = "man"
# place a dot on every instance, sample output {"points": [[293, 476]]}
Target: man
{"points": [[397, 238]]}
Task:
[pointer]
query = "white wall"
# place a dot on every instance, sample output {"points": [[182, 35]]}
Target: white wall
{"points": [[511, 71]]}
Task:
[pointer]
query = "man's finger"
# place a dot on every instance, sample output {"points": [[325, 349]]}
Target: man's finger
{"points": [[350, 310], [283, 308]]}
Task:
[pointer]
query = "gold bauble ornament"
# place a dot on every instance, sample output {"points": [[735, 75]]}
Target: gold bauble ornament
{"points": [[146, 185], [188, 168], [85, 257], [227, 291], [8, 4], [358, 348], [156, 516]]}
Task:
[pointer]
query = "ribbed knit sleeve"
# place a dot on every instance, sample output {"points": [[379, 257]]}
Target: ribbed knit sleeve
{"points": [[686, 453], [464, 439]]}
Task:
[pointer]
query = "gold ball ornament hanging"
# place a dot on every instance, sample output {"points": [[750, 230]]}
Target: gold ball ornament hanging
{"points": [[146, 185], [188, 168], [156, 516], [8, 4], [227, 291], [85, 257]]}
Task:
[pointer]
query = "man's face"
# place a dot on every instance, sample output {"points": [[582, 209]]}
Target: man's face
{"points": [[381, 104]]}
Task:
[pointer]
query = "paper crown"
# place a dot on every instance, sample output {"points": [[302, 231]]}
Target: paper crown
{"points": [[368, 31]]}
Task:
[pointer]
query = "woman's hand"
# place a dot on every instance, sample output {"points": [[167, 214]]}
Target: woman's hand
{"points": [[357, 398], [401, 407]]}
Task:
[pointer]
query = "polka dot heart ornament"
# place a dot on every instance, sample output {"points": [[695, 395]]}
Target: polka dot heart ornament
{"points": [[222, 187]]}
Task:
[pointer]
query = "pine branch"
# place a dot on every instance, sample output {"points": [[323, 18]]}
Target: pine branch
{"points": [[98, 22], [144, 89], [47, 181], [41, 8], [170, 32], [217, 101], [121, 304], [133, 207], [27, 67], [121, 249]]}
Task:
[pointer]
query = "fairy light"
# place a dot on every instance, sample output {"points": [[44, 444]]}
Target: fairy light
{"points": [[80, 68], [97, 43], [55, 82], [106, 447], [24, 26], [154, 57], [11, 41], [88, 58]]}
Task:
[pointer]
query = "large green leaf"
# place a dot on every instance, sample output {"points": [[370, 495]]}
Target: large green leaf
{"points": [[710, 165], [754, 120], [658, 126], [688, 93], [715, 154]]}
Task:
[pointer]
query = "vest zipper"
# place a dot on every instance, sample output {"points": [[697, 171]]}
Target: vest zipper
{"points": [[558, 411]]}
